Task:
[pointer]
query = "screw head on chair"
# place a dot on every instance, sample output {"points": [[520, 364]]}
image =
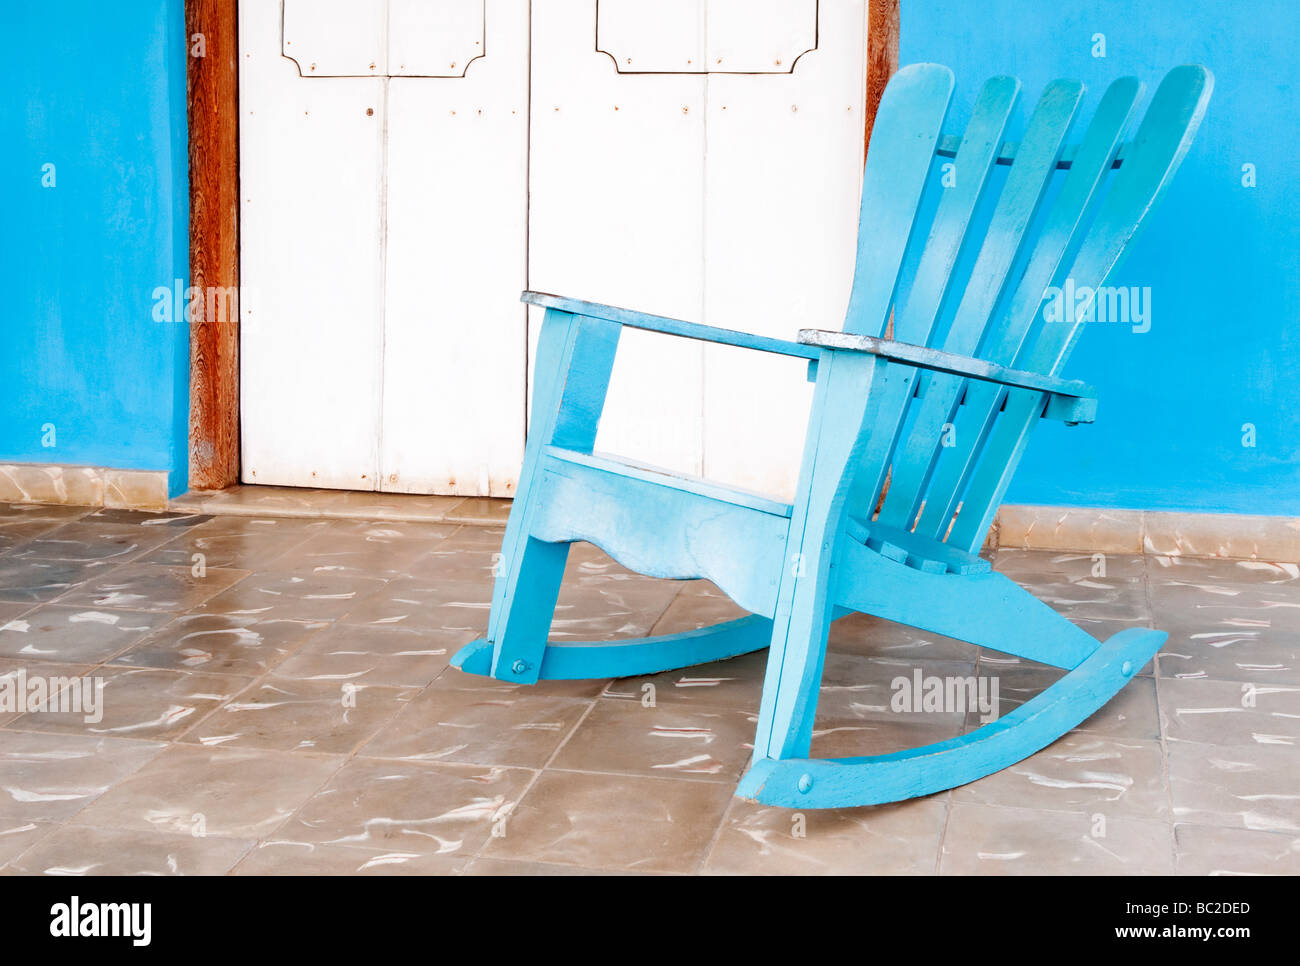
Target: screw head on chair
{"points": [[519, 667], [805, 784]]}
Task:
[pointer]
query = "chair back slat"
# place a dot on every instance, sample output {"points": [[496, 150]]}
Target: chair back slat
{"points": [[948, 232], [975, 159], [907, 127], [949, 466], [1021, 196], [1159, 147]]}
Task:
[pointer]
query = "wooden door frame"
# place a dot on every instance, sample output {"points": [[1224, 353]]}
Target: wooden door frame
{"points": [[212, 83]]}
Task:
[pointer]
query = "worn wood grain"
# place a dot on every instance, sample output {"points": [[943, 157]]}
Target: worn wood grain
{"points": [[882, 58], [213, 108]]}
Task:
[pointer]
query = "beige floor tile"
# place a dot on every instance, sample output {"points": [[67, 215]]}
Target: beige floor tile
{"points": [[613, 821], [20, 522], [691, 609], [1069, 564], [857, 713], [36, 581], [871, 636], [306, 858], [483, 727], [472, 537], [610, 610], [259, 526], [455, 565], [487, 866], [10, 609], [54, 632], [670, 740], [82, 850], [283, 714], [1229, 632], [735, 683], [175, 521], [398, 507], [17, 836], [1200, 570], [1247, 786], [1081, 773], [1226, 713], [90, 539], [1114, 597], [881, 734], [48, 778], [900, 839], [422, 605], [291, 501], [25, 684], [228, 792], [479, 510], [220, 644], [588, 564], [140, 703], [246, 549], [375, 549], [1203, 850], [293, 597], [375, 655], [151, 588], [1132, 713], [1213, 601], [440, 808], [994, 840]]}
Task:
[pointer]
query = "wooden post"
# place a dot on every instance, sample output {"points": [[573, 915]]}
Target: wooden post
{"points": [[213, 102], [882, 57]]}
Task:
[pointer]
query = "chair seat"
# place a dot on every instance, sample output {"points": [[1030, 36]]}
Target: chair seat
{"points": [[915, 550], [634, 469]]}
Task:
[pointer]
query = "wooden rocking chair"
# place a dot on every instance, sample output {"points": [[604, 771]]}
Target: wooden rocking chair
{"points": [[946, 414]]}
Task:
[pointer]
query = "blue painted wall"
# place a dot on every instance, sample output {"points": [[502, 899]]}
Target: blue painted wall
{"points": [[1222, 260], [97, 90]]}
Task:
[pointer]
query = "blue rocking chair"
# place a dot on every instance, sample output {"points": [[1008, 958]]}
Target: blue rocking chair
{"points": [[935, 419]]}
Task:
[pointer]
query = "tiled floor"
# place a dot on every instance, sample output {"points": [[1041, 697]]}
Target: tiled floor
{"points": [[276, 698]]}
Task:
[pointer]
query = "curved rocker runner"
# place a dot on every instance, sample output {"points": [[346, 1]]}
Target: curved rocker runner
{"points": [[944, 410]]}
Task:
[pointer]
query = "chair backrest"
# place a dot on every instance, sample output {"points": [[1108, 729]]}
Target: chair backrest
{"points": [[973, 279]]}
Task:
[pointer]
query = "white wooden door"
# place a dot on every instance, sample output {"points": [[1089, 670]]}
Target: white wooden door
{"points": [[384, 203], [408, 166]]}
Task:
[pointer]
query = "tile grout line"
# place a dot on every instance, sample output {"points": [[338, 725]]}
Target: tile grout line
{"points": [[1165, 773], [591, 704]]}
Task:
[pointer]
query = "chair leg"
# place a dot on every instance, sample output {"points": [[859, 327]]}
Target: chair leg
{"points": [[574, 359], [523, 605], [805, 604], [794, 672]]}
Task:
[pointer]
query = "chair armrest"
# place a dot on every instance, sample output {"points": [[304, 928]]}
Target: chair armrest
{"points": [[1068, 399], [656, 323]]}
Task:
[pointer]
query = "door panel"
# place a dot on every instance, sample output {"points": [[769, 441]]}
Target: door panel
{"points": [[311, 185], [383, 243], [454, 328], [616, 216]]}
